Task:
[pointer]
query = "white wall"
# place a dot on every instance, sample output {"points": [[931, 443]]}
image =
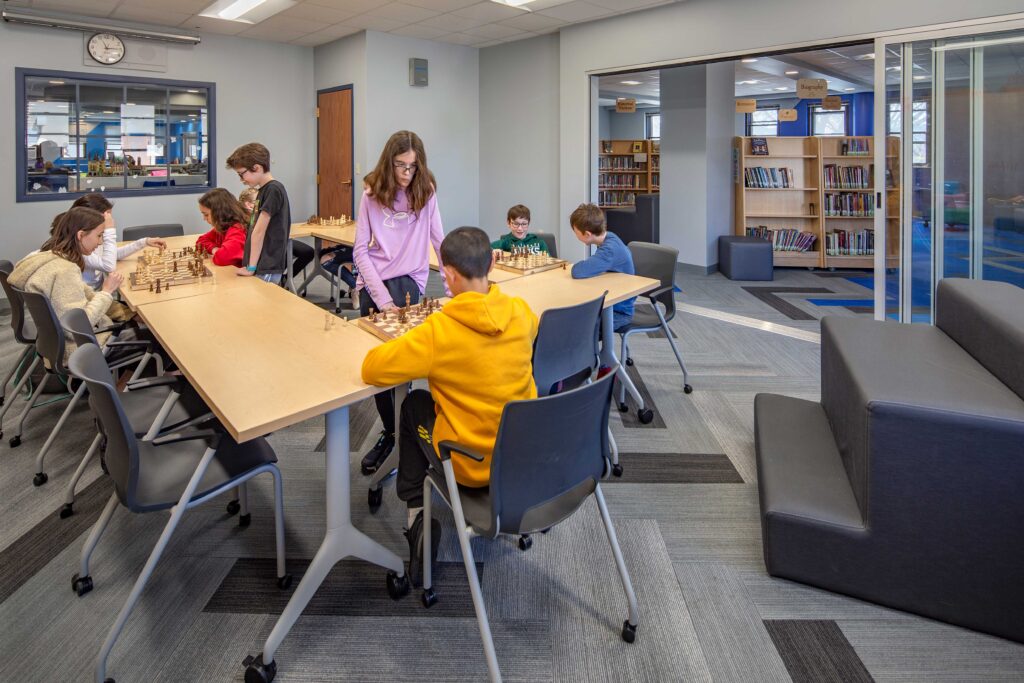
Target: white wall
{"points": [[264, 93], [519, 102]]}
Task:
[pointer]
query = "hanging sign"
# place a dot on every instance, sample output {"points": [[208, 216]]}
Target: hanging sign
{"points": [[787, 115], [832, 103], [746, 106], [811, 88], [625, 105]]}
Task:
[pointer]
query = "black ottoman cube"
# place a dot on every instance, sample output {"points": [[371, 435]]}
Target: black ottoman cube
{"points": [[745, 258]]}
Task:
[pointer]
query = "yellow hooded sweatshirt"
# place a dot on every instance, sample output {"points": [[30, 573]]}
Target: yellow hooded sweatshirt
{"points": [[477, 356]]}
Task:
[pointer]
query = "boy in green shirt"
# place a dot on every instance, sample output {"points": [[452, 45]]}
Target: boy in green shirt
{"points": [[519, 236]]}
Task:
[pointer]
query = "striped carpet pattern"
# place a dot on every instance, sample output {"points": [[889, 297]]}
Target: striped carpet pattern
{"points": [[685, 512]]}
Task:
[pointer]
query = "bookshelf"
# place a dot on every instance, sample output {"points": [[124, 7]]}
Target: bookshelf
{"points": [[819, 185], [626, 168]]}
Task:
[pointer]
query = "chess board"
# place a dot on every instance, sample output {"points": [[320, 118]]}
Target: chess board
{"points": [[527, 264], [169, 268], [331, 221], [387, 325]]}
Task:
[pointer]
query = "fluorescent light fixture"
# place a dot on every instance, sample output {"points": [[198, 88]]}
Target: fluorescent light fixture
{"points": [[978, 43], [246, 11], [56, 82], [61, 21], [106, 111], [894, 68], [870, 55], [849, 89], [238, 8], [749, 60], [920, 78], [792, 73], [752, 82], [630, 82], [192, 91], [782, 88], [520, 3]]}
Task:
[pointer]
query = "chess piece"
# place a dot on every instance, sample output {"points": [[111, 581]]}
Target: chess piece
{"points": [[151, 285], [158, 285], [564, 264], [175, 266]]}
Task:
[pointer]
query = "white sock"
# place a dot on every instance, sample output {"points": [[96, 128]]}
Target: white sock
{"points": [[411, 516]]}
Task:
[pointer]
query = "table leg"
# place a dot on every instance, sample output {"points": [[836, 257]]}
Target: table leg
{"points": [[609, 359], [288, 269], [341, 540]]}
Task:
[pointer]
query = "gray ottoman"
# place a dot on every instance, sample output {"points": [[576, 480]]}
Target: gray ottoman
{"points": [[745, 258]]}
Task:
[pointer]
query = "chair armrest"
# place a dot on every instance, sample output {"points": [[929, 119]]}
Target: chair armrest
{"points": [[213, 435], [152, 382], [658, 292], [446, 448], [112, 328]]}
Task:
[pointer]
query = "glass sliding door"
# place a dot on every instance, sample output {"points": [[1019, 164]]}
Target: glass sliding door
{"points": [[952, 195]]}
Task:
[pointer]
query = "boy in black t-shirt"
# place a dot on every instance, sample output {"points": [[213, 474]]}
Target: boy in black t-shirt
{"points": [[266, 244]]}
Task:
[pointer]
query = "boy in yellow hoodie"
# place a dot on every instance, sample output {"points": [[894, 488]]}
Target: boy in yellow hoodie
{"points": [[476, 355]]}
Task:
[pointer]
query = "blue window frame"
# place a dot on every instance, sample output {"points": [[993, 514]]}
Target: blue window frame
{"points": [[122, 136]]}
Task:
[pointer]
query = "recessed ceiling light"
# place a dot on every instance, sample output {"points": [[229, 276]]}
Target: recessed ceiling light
{"points": [[192, 91], [782, 88], [630, 82], [108, 111], [56, 82], [870, 55], [849, 89], [749, 60], [920, 78], [246, 11], [792, 73], [750, 82], [513, 3], [894, 68]]}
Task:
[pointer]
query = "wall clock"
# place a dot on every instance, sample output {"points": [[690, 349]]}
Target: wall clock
{"points": [[106, 48]]}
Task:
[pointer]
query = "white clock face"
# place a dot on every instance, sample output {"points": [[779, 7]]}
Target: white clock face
{"points": [[106, 48]]}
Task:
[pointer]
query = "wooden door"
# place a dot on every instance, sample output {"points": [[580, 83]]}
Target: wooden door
{"points": [[334, 152]]}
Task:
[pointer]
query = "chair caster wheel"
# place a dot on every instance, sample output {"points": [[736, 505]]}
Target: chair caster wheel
{"points": [[374, 497], [623, 408], [15, 441], [67, 511], [39, 479], [81, 585], [234, 507], [617, 470], [284, 582], [245, 520], [303, 295], [258, 672], [525, 542], [687, 389], [629, 362], [645, 416], [398, 586], [428, 598], [628, 631]]}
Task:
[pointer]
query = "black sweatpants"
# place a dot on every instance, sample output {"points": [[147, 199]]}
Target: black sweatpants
{"points": [[302, 254], [398, 287], [416, 444]]}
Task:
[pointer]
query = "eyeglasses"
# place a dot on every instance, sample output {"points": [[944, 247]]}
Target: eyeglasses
{"points": [[405, 168], [521, 224], [241, 174]]}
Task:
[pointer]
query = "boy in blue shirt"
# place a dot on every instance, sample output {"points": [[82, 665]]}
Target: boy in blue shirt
{"points": [[611, 255]]}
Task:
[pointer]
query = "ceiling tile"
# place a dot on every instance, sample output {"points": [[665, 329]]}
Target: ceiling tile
{"points": [[452, 22], [372, 23], [486, 12], [493, 32], [92, 8], [490, 43], [353, 6], [442, 5], [332, 33], [419, 31], [577, 11], [309, 40], [148, 15], [290, 24], [183, 6], [270, 33], [532, 22], [325, 16], [620, 6], [408, 14], [462, 39], [211, 25]]}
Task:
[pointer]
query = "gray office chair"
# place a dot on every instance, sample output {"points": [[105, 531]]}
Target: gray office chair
{"points": [[156, 230], [175, 472], [658, 262], [24, 334], [549, 239], [547, 460], [152, 405]]}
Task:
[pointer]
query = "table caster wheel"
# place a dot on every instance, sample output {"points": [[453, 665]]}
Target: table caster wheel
{"points": [[623, 408], [687, 389], [525, 542], [234, 507], [374, 497], [245, 520], [15, 441], [258, 672], [629, 362], [284, 582], [398, 586], [67, 511], [645, 416], [628, 631], [39, 479], [617, 470], [81, 584], [428, 598]]}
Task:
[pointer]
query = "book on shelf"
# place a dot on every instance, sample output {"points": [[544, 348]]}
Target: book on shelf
{"points": [[620, 163], [838, 177], [759, 177], [656, 146], [615, 198], [849, 204], [630, 181], [850, 243], [855, 148], [759, 147], [784, 239]]}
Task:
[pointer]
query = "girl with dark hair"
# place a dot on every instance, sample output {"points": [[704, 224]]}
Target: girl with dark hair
{"points": [[227, 218], [398, 223]]}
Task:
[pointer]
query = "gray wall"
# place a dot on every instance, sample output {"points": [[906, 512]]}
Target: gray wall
{"points": [[519, 101], [264, 93], [343, 62], [628, 126]]}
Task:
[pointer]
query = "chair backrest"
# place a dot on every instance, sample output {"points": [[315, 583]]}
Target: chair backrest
{"points": [[549, 240], [156, 230], [76, 323], [50, 342], [549, 456], [24, 330], [658, 262], [121, 455], [566, 345]]}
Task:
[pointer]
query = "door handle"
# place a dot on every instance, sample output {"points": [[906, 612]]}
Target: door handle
{"points": [[346, 182]]}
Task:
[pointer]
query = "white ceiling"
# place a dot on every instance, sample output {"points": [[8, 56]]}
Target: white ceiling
{"points": [[315, 22]]}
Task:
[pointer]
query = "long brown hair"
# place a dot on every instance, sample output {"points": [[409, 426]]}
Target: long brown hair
{"points": [[93, 200], [381, 181], [225, 210], [64, 239]]}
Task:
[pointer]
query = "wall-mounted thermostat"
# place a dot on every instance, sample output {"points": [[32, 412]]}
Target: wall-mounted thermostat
{"points": [[417, 72]]}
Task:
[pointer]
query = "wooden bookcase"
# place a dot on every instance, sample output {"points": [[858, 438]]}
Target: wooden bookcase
{"points": [[627, 168], [832, 189]]}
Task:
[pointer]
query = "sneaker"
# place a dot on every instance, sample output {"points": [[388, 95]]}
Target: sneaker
{"points": [[378, 454], [415, 536]]}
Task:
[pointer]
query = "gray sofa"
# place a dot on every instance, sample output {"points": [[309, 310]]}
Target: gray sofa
{"points": [[905, 485]]}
